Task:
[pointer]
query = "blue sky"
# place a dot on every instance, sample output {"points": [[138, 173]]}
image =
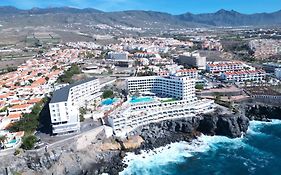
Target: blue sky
{"points": [[170, 6]]}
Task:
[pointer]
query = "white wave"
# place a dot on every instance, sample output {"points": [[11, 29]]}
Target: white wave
{"points": [[175, 152], [255, 126], [151, 160]]}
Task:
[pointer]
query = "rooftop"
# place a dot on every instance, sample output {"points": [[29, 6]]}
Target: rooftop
{"points": [[61, 95]]}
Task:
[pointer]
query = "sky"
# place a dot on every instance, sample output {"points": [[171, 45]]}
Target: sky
{"points": [[170, 6]]}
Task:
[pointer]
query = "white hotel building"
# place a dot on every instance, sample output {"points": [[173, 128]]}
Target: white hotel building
{"points": [[65, 104], [190, 73], [243, 76], [180, 88], [224, 66], [183, 103]]}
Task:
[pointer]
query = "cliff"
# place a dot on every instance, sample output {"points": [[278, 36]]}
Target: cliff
{"points": [[165, 132], [105, 155], [262, 112]]}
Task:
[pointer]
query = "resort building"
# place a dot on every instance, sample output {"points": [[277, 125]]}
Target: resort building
{"points": [[246, 75], [264, 48], [65, 104], [193, 59], [180, 88], [170, 98], [118, 55], [190, 73], [224, 66]]}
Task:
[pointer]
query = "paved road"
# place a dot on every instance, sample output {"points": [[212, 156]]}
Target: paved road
{"points": [[87, 125]]}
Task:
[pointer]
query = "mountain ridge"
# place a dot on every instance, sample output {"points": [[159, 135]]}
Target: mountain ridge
{"points": [[138, 18]]}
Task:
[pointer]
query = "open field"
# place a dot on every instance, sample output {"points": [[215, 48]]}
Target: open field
{"points": [[13, 62]]}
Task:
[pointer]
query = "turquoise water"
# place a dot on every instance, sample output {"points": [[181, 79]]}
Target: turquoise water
{"points": [[13, 141], [257, 153], [108, 101], [141, 99]]}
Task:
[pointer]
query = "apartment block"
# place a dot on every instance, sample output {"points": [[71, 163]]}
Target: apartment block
{"points": [[65, 104], [264, 48], [193, 59], [224, 66], [246, 75]]}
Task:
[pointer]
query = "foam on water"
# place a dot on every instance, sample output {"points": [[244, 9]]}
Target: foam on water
{"points": [[255, 126], [157, 160], [172, 153]]}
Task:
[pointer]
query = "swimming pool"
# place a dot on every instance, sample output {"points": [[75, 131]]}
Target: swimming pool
{"points": [[108, 101], [141, 99], [13, 141]]}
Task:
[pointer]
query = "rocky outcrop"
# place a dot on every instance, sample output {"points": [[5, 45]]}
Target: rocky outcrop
{"points": [[224, 124], [132, 143], [262, 112], [165, 132], [38, 162]]}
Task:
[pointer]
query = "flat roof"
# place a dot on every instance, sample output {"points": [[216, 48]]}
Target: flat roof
{"points": [[61, 95]]}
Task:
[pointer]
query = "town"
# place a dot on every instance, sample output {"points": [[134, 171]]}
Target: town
{"points": [[139, 80]]}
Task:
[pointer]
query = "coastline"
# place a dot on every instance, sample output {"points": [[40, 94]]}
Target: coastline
{"points": [[106, 155], [157, 139], [162, 134]]}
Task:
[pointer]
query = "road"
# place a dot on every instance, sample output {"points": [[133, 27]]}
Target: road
{"points": [[87, 125]]}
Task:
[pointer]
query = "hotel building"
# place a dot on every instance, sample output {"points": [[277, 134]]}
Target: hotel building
{"points": [[65, 104], [182, 103], [193, 59], [246, 75], [180, 88], [224, 66], [190, 73]]}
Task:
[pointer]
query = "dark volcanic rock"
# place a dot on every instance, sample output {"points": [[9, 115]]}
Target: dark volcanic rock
{"points": [[224, 124], [208, 125], [263, 112], [166, 132], [230, 126]]}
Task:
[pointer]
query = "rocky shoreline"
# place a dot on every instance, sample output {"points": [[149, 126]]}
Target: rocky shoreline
{"points": [[262, 112], [160, 134], [106, 155]]}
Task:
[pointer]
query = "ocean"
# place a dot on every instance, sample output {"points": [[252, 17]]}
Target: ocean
{"points": [[258, 153]]}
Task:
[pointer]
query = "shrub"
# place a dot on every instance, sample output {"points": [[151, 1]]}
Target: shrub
{"points": [[107, 94], [17, 152], [28, 142]]}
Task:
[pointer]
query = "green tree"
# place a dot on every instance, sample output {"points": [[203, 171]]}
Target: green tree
{"points": [[28, 142], [17, 83], [107, 94], [199, 86], [30, 81], [82, 112], [29, 122], [55, 67], [217, 96], [68, 74]]}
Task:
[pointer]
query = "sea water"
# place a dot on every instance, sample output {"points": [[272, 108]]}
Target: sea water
{"points": [[257, 152]]}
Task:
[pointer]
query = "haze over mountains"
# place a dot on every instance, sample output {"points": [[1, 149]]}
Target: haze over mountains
{"points": [[67, 15]]}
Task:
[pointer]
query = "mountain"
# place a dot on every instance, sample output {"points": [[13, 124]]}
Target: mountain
{"points": [[62, 10], [135, 18], [233, 18]]}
